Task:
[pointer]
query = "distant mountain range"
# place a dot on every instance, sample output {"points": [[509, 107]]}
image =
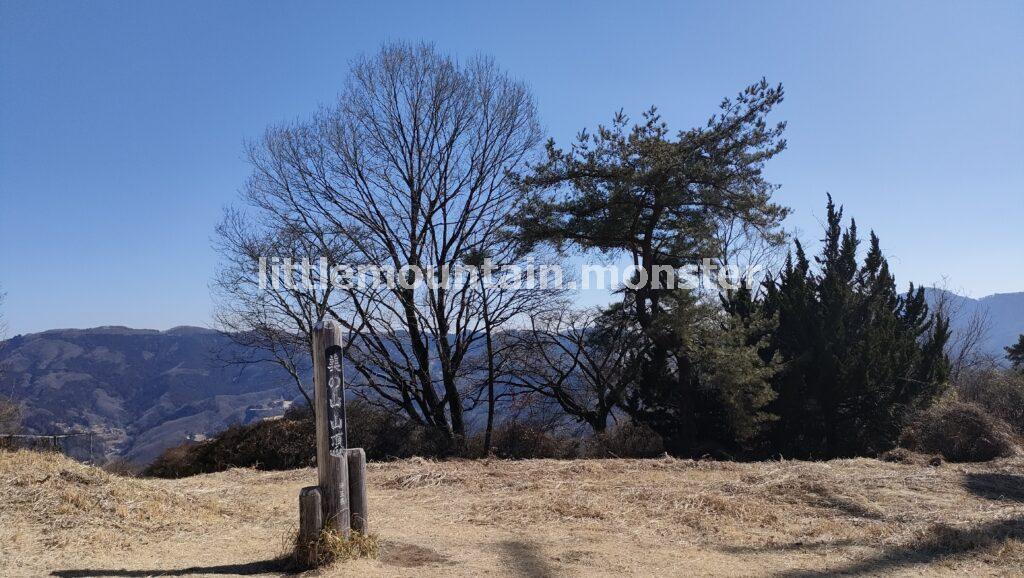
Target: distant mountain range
{"points": [[1004, 311], [139, 390], [143, 390]]}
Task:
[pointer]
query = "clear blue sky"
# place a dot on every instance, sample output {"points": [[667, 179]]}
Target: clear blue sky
{"points": [[122, 123]]}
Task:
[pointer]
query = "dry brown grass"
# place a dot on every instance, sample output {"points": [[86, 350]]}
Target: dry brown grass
{"points": [[62, 494], [534, 517], [332, 547]]}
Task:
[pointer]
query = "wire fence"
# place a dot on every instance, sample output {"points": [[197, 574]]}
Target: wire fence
{"points": [[78, 445]]}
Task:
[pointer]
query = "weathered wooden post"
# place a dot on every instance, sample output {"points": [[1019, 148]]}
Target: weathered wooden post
{"points": [[357, 490], [329, 397], [340, 496], [311, 519]]}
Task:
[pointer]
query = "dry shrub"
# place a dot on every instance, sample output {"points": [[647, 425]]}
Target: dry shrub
{"points": [[177, 462], [290, 442], [907, 457], [898, 456], [518, 440], [277, 444], [10, 416], [960, 431], [121, 467], [625, 440], [331, 546], [999, 392], [387, 435]]}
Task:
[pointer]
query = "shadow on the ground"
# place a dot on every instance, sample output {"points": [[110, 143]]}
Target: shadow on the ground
{"points": [[405, 555], [847, 505], [276, 566], [525, 559], [996, 486], [788, 547], [945, 541]]}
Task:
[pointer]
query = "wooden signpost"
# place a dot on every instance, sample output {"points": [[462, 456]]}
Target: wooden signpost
{"points": [[339, 500]]}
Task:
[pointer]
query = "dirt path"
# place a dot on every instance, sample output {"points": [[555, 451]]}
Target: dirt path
{"points": [[531, 518]]}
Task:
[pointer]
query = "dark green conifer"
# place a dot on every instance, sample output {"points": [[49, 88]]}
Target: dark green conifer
{"points": [[858, 356], [1015, 353]]}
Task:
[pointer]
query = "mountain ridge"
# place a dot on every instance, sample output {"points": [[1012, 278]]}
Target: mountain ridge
{"points": [[1004, 312], [143, 390], [138, 390]]}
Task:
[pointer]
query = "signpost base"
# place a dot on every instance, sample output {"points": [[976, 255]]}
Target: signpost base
{"points": [[348, 494], [340, 495]]}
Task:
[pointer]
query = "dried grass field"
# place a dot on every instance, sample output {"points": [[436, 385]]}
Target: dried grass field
{"points": [[530, 518]]}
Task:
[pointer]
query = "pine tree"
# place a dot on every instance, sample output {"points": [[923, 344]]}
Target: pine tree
{"points": [[858, 355], [659, 199], [1015, 353]]}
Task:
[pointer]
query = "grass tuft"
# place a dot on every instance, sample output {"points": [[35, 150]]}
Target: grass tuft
{"points": [[332, 546]]}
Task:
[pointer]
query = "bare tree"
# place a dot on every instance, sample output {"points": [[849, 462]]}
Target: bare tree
{"points": [[410, 170], [493, 366], [749, 250], [970, 331], [572, 359], [270, 325], [10, 416]]}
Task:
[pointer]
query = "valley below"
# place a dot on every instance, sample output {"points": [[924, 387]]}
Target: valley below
{"points": [[137, 391]]}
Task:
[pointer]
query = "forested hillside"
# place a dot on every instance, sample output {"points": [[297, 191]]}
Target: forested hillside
{"points": [[139, 390]]}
